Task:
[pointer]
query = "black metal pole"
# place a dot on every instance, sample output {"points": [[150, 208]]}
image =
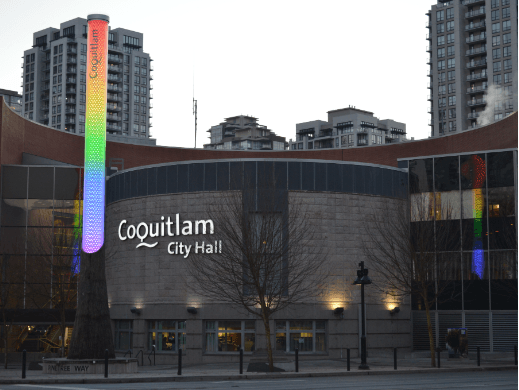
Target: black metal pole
{"points": [[179, 361], [297, 360], [394, 356], [515, 354], [363, 364], [479, 356], [438, 356], [153, 355], [348, 359], [241, 361], [24, 363], [106, 363]]}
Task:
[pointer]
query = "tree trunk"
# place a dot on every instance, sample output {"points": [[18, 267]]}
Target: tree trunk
{"points": [[266, 323], [92, 333], [429, 329]]}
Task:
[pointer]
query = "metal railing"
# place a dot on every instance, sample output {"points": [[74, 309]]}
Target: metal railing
{"points": [[475, 64], [476, 102], [473, 14], [473, 115], [473, 52], [475, 26], [479, 89], [477, 76], [476, 38]]}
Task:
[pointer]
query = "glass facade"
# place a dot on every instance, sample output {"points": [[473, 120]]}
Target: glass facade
{"points": [[473, 197], [41, 222]]}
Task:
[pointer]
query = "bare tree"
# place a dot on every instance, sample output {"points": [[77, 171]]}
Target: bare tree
{"points": [[401, 249], [270, 259]]}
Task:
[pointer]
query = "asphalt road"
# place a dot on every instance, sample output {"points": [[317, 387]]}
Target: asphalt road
{"points": [[499, 380]]}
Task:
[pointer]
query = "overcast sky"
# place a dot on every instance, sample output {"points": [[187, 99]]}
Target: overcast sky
{"points": [[284, 62]]}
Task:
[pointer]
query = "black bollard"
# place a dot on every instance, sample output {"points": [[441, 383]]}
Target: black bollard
{"points": [[153, 355], [479, 356], [24, 363], [394, 357], [438, 354], [515, 354], [241, 361], [106, 363], [348, 359], [179, 361], [297, 360]]}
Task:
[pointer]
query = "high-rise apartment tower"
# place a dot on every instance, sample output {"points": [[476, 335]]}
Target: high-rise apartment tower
{"points": [[472, 53], [54, 81]]}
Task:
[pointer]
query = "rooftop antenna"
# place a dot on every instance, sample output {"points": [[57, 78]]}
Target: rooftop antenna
{"points": [[195, 108]]}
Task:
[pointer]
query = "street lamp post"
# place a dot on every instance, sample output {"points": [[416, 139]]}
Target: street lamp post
{"points": [[362, 279]]}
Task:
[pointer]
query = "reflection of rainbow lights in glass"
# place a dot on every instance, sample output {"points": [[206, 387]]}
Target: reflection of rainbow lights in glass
{"points": [[95, 136], [474, 169]]}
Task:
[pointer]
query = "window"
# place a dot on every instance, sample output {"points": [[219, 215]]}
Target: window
{"points": [[143, 99], [167, 335], [452, 113], [496, 41], [440, 28], [439, 16], [451, 63], [505, 2], [452, 88], [496, 27], [143, 127], [81, 118], [441, 77], [495, 3], [144, 61], [450, 13], [126, 78], [506, 12], [137, 60], [135, 127], [442, 102], [58, 119], [125, 127], [497, 79], [230, 336], [498, 117], [83, 58], [507, 64], [143, 109], [135, 99], [450, 25], [69, 31], [441, 40], [441, 65], [59, 109], [450, 51], [82, 108], [509, 104], [144, 71], [441, 114], [143, 81], [82, 98], [497, 67], [306, 336], [83, 48], [496, 53], [127, 40], [507, 25], [498, 106], [126, 107], [442, 90], [509, 91], [507, 38], [508, 78], [82, 68], [60, 58], [143, 90], [137, 80], [452, 100], [126, 97], [507, 51], [135, 89], [54, 80], [82, 78], [126, 116], [452, 126], [450, 38], [495, 15], [441, 52], [123, 335], [126, 88]]}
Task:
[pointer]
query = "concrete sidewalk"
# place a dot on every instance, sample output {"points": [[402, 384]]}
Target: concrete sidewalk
{"points": [[230, 371]]}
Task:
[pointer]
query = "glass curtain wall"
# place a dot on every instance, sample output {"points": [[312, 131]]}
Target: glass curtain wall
{"points": [[40, 235]]}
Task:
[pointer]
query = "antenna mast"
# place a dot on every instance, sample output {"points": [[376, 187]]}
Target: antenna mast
{"points": [[195, 114]]}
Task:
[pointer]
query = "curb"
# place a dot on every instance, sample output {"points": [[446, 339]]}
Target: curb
{"points": [[193, 378]]}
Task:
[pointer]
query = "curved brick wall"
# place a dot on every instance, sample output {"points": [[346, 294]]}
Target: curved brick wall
{"points": [[18, 135]]}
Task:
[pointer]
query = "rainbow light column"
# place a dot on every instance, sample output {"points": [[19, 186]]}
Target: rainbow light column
{"points": [[95, 134]]}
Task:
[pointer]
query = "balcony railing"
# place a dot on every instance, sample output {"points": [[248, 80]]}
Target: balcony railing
{"points": [[113, 107], [114, 58], [112, 117], [115, 68], [44, 117], [468, 2], [70, 110], [475, 26], [474, 52], [473, 14], [114, 88], [71, 69], [70, 120], [428, 37], [70, 101], [72, 50], [71, 80], [477, 76], [479, 89], [477, 64], [476, 38], [114, 78], [71, 90], [476, 102], [473, 115], [151, 66], [71, 60], [114, 127], [113, 97]]}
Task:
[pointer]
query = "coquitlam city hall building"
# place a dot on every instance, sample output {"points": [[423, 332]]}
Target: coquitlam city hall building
{"points": [[41, 196]]}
